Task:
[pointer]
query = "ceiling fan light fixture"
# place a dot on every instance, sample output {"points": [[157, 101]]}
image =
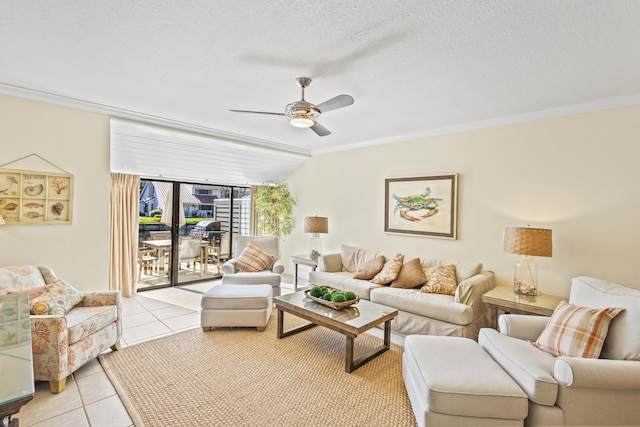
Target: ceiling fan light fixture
{"points": [[301, 122], [303, 114]]}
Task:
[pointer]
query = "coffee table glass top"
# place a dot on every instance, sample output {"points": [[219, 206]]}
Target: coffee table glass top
{"points": [[359, 315]]}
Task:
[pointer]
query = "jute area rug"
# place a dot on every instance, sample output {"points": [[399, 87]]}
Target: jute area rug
{"points": [[242, 377]]}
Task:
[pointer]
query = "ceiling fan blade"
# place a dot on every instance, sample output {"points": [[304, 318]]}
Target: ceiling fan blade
{"points": [[320, 130], [257, 112], [335, 103]]}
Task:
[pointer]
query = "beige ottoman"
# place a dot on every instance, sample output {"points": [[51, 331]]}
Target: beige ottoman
{"points": [[236, 305], [453, 381]]}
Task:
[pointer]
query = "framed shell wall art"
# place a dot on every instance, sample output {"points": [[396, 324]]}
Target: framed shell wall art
{"points": [[31, 197]]}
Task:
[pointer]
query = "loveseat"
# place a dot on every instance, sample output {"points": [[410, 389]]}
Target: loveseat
{"points": [[419, 313], [62, 343], [601, 387]]}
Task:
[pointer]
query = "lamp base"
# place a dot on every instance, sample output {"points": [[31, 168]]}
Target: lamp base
{"points": [[525, 281], [315, 246]]}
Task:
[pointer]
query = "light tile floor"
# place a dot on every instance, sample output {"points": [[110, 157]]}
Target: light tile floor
{"points": [[89, 399]]}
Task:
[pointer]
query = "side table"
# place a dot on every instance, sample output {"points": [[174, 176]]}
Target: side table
{"points": [[16, 369], [503, 298], [304, 260]]}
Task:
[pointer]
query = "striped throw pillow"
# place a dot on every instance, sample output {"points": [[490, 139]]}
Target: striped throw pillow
{"points": [[576, 331], [253, 259]]}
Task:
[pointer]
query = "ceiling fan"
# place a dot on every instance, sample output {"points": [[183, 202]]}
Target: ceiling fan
{"points": [[303, 114]]}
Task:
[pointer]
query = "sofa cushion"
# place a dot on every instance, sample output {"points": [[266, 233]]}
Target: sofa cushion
{"points": [[434, 306], [410, 276], [31, 292], [529, 366], [20, 277], [253, 259], [83, 321], [389, 271], [623, 338], [58, 299], [344, 281], [464, 270], [369, 269], [441, 279], [576, 331], [353, 257]]}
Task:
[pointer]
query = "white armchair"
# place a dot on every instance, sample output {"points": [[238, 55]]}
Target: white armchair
{"points": [[572, 390], [269, 275]]}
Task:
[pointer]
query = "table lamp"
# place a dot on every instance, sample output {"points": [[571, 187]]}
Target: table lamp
{"points": [[527, 242], [315, 225]]}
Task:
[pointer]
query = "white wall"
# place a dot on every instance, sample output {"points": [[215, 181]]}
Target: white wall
{"points": [[77, 142], [577, 175]]}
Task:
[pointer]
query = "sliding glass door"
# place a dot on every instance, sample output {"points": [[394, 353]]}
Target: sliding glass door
{"points": [[186, 230]]}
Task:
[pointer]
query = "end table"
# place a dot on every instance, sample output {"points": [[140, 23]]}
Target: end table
{"points": [[304, 260], [503, 298], [16, 381]]}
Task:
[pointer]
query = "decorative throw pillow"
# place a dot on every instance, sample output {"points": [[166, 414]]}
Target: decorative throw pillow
{"points": [[441, 279], [58, 299], [253, 259], [32, 292], [389, 271], [410, 276], [576, 331], [369, 269]]}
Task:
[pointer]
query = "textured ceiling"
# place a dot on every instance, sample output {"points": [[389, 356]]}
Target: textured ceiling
{"points": [[414, 67]]}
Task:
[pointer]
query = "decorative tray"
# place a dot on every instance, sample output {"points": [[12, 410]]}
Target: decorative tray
{"points": [[334, 305]]}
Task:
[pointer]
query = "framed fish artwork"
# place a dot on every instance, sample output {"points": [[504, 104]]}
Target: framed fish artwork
{"points": [[425, 205], [31, 197]]}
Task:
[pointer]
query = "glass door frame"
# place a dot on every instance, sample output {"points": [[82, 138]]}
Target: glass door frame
{"points": [[174, 261]]}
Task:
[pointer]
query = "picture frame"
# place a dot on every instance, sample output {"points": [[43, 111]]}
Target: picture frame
{"points": [[425, 205], [32, 197]]}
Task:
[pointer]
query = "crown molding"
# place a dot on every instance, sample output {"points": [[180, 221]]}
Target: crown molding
{"points": [[120, 113], [605, 104]]}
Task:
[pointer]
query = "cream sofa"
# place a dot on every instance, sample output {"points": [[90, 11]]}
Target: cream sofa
{"points": [[419, 313], [63, 343], [573, 390]]}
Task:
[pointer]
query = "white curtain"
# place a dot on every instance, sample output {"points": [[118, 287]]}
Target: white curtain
{"points": [[123, 221], [167, 213]]}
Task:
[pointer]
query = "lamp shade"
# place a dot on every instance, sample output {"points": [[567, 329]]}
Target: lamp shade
{"points": [[528, 241], [316, 224]]}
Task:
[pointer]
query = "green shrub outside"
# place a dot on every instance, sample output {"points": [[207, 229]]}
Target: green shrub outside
{"points": [[156, 220]]}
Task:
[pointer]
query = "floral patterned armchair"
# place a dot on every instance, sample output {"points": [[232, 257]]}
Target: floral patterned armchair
{"points": [[63, 343]]}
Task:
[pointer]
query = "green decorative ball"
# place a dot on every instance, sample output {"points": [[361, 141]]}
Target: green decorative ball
{"points": [[326, 296], [338, 297], [316, 292], [350, 296]]}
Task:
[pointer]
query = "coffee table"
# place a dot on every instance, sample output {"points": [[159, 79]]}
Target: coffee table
{"points": [[351, 322]]}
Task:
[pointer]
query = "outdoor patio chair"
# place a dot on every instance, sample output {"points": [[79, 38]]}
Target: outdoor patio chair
{"points": [[147, 260], [191, 251]]}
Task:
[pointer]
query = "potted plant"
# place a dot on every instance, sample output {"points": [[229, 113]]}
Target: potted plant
{"points": [[274, 203]]}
